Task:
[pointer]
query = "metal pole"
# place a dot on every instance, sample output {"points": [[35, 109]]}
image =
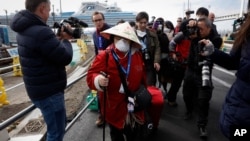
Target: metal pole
{"points": [[61, 7], [53, 14], [6, 13], [242, 8]]}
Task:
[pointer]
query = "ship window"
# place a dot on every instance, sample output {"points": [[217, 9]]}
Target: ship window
{"points": [[91, 7]]}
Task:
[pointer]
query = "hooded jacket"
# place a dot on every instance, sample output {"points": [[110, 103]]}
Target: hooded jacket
{"points": [[42, 56]]}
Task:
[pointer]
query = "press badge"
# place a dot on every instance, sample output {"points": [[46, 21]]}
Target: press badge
{"points": [[121, 90]]}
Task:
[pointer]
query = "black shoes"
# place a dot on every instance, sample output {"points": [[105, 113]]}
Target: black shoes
{"points": [[203, 132]]}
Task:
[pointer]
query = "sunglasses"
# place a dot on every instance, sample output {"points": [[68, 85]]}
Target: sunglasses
{"points": [[97, 20]]}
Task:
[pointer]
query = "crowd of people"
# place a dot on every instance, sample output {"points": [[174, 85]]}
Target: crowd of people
{"points": [[143, 54]]}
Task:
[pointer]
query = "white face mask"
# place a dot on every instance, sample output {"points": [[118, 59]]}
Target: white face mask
{"points": [[140, 33], [166, 30], [159, 28], [122, 45]]}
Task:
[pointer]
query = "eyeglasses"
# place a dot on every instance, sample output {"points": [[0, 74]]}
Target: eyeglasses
{"points": [[179, 21], [97, 20]]}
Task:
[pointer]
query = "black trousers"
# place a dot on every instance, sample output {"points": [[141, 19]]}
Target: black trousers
{"points": [[120, 134], [196, 95], [138, 133], [116, 134], [176, 84], [151, 73]]}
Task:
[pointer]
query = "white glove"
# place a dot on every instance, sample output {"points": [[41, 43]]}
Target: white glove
{"points": [[131, 104]]}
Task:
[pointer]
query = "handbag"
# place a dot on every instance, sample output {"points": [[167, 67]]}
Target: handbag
{"points": [[141, 96]]}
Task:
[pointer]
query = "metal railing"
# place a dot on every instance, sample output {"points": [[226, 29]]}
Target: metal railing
{"points": [[27, 110]]}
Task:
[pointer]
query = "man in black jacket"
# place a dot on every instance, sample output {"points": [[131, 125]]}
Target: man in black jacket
{"points": [[43, 58], [197, 81]]}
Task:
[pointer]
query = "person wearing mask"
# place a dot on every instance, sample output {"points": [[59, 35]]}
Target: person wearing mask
{"points": [[198, 76], [151, 53], [125, 49], [169, 29], [100, 43], [163, 77], [43, 58], [150, 47], [236, 108]]}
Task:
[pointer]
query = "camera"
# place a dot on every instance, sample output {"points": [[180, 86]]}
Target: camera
{"points": [[189, 12], [73, 22], [241, 20], [192, 30], [238, 22], [201, 46], [205, 71]]}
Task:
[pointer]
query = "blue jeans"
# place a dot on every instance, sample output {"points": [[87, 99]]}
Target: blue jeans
{"points": [[54, 114]]}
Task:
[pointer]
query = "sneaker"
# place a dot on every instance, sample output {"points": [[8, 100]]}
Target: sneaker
{"points": [[172, 104], [203, 132], [99, 122]]}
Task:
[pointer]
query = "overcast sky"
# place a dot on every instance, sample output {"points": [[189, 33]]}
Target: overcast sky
{"points": [[168, 9]]}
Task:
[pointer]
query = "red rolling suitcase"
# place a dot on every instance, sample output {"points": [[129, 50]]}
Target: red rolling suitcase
{"points": [[157, 105]]}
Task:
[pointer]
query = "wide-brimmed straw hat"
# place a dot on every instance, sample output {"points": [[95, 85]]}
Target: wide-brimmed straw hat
{"points": [[123, 30]]}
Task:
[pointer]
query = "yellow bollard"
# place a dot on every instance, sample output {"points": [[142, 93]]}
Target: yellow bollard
{"points": [[83, 48], [16, 66], [3, 95]]}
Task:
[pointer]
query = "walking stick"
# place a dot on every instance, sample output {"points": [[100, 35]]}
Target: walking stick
{"points": [[104, 113], [104, 105]]}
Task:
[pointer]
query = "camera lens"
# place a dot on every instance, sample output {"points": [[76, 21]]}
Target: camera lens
{"points": [[206, 76]]}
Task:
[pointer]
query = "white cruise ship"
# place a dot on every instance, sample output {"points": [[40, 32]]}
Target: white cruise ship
{"points": [[112, 13]]}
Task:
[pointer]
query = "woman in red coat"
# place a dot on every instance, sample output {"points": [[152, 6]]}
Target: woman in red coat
{"points": [[124, 49]]}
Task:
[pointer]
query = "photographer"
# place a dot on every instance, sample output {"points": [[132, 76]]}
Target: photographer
{"points": [[43, 58], [197, 81], [179, 51]]}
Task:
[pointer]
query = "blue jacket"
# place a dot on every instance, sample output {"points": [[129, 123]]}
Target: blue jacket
{"points": [[236, 108], [42, 56], [100, 42]]}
